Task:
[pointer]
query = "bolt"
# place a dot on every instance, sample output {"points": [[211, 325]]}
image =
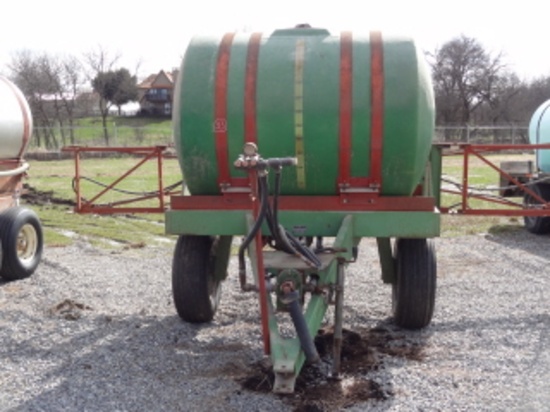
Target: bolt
{"points": [[287, 287]]}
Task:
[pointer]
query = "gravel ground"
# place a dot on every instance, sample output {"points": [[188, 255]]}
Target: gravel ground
{"points": [[95, 330]]}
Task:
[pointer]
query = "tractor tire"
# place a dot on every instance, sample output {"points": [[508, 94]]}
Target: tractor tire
{"points": [[195, 289], [22, 243], [539, 225], [413, 292]]}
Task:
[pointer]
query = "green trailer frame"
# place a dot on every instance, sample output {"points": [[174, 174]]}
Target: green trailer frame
{"points": [[347, 218]]}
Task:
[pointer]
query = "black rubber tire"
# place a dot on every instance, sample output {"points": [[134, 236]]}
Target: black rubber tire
{"points": [[195, 290], [1, 255], [539, 225], [22, 243], [413, 292]]}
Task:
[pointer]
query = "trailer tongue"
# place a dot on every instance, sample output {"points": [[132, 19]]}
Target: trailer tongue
{"points": [[20, 229]]}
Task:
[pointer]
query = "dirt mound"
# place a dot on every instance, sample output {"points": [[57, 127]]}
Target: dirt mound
{"points": [[362, 352], [34, 196]]}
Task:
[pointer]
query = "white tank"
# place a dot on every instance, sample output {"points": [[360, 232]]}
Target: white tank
{"points": [[15, 121]]}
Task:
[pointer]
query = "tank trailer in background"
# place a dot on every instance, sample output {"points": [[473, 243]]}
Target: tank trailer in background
{"points": [[20, 229], [534, 175]]}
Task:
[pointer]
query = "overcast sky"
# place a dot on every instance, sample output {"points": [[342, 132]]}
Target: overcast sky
{"points": [[157, 32]]}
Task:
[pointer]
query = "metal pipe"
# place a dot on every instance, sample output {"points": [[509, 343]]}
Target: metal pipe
{"points": [[299, 321], [17, 171], [259, 186], [338, 311]]}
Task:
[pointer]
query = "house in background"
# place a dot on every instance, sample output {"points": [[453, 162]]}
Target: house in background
{"points": [[156, 93]]}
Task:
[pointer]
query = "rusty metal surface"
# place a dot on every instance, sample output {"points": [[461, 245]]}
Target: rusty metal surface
{"points": [[480, 152], [352, 201], [10, 186], [94, 205]]}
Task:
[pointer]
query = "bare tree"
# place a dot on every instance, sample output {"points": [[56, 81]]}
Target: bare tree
{"points": [[465, 76], [530, 96], [499, 100], [99, 61], [26, 68], [538, 91], [51, 68], [51, 84], [513, 101], [71, 82]]}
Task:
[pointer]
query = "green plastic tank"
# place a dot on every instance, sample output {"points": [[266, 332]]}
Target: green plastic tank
{"points": [[539, 133], [302, 92]]}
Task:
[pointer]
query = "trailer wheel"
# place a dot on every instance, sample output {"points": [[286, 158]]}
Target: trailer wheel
{"points": [[22, 243], [413, 292], [538, 225], [195, 289]]}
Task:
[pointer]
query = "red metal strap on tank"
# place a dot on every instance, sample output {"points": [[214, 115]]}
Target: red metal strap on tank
{"points": [[251, 75], [250, 132], [220, 109], [220, 123], [374, 180], [377, 109], [26, 118], [346, 74]]}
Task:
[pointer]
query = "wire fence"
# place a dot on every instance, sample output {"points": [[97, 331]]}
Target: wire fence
{"points": [[512, 134], [53, 139]]}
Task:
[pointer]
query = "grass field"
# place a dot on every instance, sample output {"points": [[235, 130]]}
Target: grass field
{"points": [[52, 187], [53, 179], [123, 131]]}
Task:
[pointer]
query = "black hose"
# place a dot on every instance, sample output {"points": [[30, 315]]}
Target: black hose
{"points": [[304, 250], [273, 219], [495, 189], [284, 240], [306, 342], [270, 223], [276, 197], [262, 181]]}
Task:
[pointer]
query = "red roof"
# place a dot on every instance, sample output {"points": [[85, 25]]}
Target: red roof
{"points": [[150, 80]]}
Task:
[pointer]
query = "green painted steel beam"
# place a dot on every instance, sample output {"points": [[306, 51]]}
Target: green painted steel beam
{"points": [[308, 223], [345, 240], [286, 353], [206, 222]]}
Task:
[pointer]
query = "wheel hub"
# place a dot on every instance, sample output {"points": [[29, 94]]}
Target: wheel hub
{"points": [[27, 241]]}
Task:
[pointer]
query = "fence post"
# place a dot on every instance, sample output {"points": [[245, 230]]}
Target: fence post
{"points": [[115, 133]]}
